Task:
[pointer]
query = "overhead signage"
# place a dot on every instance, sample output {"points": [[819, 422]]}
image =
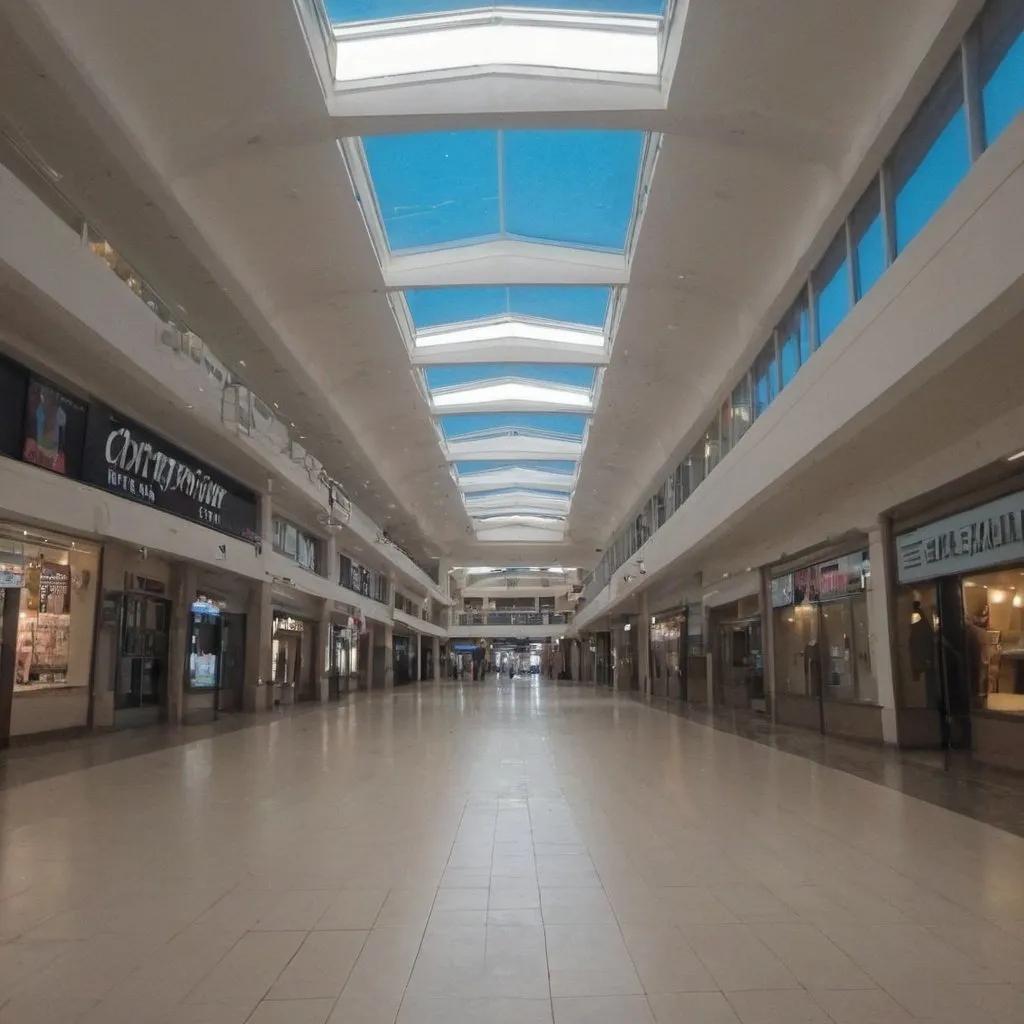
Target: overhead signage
{"points": [[130, 461], [827, 581], [990, 534]]}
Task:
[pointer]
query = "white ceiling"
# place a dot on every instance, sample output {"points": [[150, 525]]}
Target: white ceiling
{"points": [[198, 134]]}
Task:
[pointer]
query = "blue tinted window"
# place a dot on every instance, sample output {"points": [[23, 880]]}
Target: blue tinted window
{"points": [[931, 157], [832, 299], [741, 418], [870, 254], [794, 339], [766, 378], [1001, 29]]}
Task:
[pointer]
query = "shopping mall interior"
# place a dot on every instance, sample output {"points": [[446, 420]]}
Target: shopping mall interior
{"points": [[511, 512]]}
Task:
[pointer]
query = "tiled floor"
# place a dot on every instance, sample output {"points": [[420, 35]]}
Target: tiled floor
{"points": [[504, 855]]}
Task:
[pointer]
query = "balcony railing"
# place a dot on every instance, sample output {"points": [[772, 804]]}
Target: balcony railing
{"points": [[513, 618]]}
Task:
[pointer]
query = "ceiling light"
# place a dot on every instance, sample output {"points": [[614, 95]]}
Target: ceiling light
{"points": [[276, 406], [241, 362], [1014, 458], [189, 406]]}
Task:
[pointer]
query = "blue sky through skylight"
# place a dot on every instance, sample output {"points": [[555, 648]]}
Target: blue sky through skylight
{"points": [[572, 304], [375, 10], [470, 467], [573, 187], [503, 492], [563, 424], [475, 373]]}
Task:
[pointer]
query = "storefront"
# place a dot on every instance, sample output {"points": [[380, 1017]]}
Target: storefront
{"points": [[959, 611], [734, 633], [215, 674], [293, 656], [823, 672], [624, 658], [404, 660], [343, 655], [48, 593], [668, 655]]}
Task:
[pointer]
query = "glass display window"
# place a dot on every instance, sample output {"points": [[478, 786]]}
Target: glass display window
{"points": [[44, 620], [993, 632]]}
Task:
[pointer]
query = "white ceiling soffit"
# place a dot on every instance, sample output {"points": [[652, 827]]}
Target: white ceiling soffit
{"points": [[520, 529], [501, 60]]}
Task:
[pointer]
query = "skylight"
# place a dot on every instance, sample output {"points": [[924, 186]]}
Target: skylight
{"points": [[398, 41], [573, 188], [553, 467], [439, 377], [378, 10]]}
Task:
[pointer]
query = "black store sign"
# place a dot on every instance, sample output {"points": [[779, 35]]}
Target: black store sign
{"points": [[130, 461]]}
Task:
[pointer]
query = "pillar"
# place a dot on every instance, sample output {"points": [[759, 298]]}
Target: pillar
{"points": [[643, 646], [881, 622], [575, 667], [182, 593], [259, 621], [435, 650], [323, 655]]}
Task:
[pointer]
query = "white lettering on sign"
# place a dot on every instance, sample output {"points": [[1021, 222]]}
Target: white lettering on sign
{"points": [[989, 535], [139, 469]]}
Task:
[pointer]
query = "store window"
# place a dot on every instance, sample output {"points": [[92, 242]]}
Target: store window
{"points": [[205, 644], [993, 609], [725, 418], [794, 338], [831, 283], [867, 234], [766, 378], [54, 585], [741, 419], [303, 548], [932, 156], [822, 640], [1001, 44]]}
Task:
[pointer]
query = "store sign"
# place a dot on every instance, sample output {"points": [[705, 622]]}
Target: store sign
{"points": [[12, 574], [988, 535], [128, 460], [826, 581], [281, 623]]}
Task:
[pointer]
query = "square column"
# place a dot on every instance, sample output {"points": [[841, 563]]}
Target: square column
{"points": [[258, 694], [643, 646], [881, 617], [435, 650], [184, 578], [323, 657]]}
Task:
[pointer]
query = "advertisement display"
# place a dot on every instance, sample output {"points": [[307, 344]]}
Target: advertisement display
{"points": [[130, 461], [13, 381], [54, 429]]}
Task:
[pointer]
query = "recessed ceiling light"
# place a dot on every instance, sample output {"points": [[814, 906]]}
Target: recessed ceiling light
{"points": [[189, 406], [241, 362], [1014, 458], [276, 406]]}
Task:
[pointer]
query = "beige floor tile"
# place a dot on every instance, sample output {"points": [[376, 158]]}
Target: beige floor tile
{"points": [[864, 1006], [249, 969], [602, 1010], [810, 957], [295, 910], [476, 1011], [590, 960], [321, 966], [292, 1011], [663, 960], [736, 958], [353, 909], [692, 1008], [576, 906], [461, 899], [777, 1007]]}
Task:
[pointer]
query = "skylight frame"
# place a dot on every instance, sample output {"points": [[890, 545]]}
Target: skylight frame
{"points": [[526, 32]]}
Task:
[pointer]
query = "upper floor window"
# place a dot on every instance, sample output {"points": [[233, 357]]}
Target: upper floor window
{"points": [[794, 338], [303, 548], [1001, 64], [831, 282], [867, 240], [766, 378], [931, 157]]}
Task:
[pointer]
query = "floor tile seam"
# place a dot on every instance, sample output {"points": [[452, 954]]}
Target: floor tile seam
{"points": [[540, 911], [433, 903]]}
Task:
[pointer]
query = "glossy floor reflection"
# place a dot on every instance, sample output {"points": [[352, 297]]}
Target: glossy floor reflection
{"points": [[508, 854]]}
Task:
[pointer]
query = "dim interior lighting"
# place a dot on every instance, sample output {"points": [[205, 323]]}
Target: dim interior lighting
{"points": [[996, 596], [1018, 601]]}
